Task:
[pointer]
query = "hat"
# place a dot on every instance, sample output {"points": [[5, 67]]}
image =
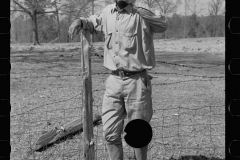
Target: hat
{"points": [[127, 1]]}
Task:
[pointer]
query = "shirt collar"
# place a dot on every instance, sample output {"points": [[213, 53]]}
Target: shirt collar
{"points": [[128, 8]]}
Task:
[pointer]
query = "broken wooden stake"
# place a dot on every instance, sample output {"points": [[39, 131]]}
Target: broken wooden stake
{"points": [[59, 134], [87, 100]]}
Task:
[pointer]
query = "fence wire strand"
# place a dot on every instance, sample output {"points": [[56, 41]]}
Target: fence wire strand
{"points": [[177, 130]]}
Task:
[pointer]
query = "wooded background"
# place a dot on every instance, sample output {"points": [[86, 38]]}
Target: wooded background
{"points": [[44, 21]]}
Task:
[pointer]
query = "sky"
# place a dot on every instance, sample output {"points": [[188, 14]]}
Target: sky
{"points": [[203, 4]]}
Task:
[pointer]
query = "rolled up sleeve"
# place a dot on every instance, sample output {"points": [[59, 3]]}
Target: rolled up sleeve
{"points": [[93, 23], [158, 24]]}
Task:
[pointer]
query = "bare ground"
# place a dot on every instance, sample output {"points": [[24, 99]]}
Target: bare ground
{"points": [[188, 98], [215, 45]]}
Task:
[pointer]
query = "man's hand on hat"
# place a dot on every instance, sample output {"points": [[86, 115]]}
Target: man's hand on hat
{"points": [[75, 28]]}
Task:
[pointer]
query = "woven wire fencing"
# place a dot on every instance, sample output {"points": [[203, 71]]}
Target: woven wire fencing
{"points": [[46, 93]]}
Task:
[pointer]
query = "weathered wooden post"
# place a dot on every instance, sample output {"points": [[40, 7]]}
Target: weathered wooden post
{"points": [[88, 142]]}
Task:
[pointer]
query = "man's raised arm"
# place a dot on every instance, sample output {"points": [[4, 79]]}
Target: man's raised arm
{"points": [[158, 23]]}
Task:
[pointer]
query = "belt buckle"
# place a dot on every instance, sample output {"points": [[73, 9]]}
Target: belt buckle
{"points": [[121, 74]]}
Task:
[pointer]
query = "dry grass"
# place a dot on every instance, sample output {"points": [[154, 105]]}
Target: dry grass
{"points": [[188, 100]]}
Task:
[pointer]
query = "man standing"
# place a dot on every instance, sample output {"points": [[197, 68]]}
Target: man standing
{"points": [[128, 54]]}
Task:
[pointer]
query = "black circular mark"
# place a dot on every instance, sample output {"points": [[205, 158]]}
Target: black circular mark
{"points": [[138, 133], [233, 107], [233, 66], [234, 148], [5, 66], [233, 25]]}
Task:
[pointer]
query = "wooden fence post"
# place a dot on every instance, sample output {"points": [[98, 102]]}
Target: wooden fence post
{"points": [[88, 141]]}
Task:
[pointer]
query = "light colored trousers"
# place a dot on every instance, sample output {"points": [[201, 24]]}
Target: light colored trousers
{"points": [[128, 96]]}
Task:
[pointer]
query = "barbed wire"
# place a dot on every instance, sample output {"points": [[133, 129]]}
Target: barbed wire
{"points": [[189, 66], [161, 140], [176, 129]]}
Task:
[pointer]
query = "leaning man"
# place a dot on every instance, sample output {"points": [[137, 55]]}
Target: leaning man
{"points": [[128, 55]]}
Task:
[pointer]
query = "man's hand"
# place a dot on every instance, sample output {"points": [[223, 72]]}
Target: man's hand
{"points": [[74, 28]]}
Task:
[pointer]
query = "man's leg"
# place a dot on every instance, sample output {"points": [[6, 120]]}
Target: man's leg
{"points": [[141, 153], [113, 114], [115, 151], [139, 104]]}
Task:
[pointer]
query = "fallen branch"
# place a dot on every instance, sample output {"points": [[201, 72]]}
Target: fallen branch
{"points": [[58, 135], [54, 40]]}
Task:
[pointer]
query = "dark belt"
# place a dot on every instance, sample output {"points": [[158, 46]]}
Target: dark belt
{"points": [[126, 73]]}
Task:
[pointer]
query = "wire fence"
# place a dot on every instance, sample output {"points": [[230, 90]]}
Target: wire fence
{"points": [[47, 94]]}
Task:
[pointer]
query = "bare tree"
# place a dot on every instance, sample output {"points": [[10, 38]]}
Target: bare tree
{"points": [[185, 16], [215, 7], [33, 8], [74, 8], [150, 4], [168, 6], [57, 6], [165, 6], [194, 6]]}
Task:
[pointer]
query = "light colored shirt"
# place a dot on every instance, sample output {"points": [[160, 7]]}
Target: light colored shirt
{"points": [[128, 36]]}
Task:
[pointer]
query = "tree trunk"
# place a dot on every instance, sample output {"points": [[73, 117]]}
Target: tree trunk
{"points": [[216, 25], [58, 23], [185, 13], [16, 36], [92, 35], [35, 29], [59, 31], [30, 35]]}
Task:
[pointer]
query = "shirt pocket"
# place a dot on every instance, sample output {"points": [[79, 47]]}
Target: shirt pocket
{"points": [[108, 40], [129, 41]]}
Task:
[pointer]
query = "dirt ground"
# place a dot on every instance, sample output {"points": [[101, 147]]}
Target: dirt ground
{"points": [[215, 45], [188, 98]]}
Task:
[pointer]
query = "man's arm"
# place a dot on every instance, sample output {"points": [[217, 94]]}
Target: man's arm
{"points": [[93, 23], [157, 23]]}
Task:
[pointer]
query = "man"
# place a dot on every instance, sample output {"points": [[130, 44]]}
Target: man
{"points": [[128, 54]]}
